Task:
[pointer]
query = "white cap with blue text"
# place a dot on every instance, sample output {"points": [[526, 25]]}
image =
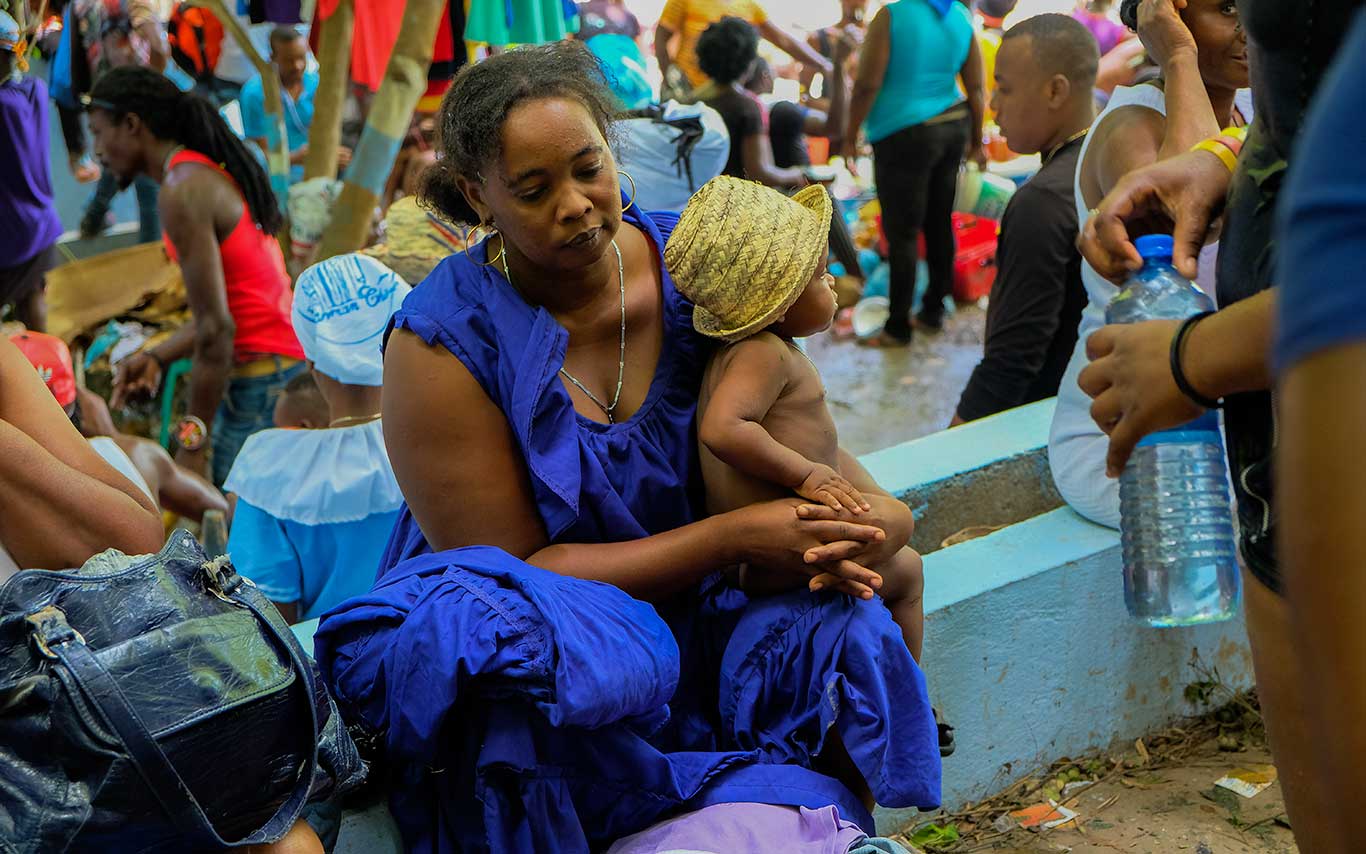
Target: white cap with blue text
{"points": [[341, 308]]}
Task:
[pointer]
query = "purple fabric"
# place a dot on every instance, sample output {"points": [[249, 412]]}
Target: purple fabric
{"points": [[26, 208], [1108, 33], [754, 828]]}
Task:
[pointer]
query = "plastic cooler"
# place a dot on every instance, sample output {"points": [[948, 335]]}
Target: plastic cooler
{"points": [[974, 264]]}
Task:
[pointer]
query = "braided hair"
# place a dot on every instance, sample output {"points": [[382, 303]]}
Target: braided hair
{"points": [[470, 136], [191, 121]]}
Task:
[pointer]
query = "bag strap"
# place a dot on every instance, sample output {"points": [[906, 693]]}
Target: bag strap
{"points": [[57, 640]]}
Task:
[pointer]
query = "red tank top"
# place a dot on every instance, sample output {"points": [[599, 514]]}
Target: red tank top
{"points": [[259, 294]]}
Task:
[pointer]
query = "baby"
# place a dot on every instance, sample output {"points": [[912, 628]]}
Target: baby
{"points": [[753, 262], [301, 406]]}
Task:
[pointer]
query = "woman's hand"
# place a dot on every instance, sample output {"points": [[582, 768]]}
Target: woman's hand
{"points": [[1130, 381], [774, 536], [976, 153], [885, 513], [1164, 35]]}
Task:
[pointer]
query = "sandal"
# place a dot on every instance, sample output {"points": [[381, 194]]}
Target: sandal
{"points": [[946, 741]]}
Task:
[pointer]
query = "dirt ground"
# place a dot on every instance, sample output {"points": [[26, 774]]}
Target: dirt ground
{"points": [[881, 398], [1161, 800]]}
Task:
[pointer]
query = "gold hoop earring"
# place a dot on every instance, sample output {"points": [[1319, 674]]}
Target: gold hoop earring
{"points": [[630, 202], [492, 232]]}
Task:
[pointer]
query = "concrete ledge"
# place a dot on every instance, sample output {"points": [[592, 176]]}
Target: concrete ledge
{"points": [[910, 466], [1031, 654], [990, 473]]}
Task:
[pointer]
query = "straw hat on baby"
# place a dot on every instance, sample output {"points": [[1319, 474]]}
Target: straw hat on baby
{"points": [[743, 253]]}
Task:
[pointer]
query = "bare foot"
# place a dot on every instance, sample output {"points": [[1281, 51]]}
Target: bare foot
{"points": [[884, 340]]}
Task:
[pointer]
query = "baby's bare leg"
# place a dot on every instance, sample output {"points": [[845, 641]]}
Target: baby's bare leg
{"points": [[903, 591]]}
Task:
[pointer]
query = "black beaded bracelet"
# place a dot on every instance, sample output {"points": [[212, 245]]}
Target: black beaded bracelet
{"points": [[1179, 375]]}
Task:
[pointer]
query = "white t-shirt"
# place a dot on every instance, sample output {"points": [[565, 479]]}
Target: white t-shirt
{"points": [[114, 455]]}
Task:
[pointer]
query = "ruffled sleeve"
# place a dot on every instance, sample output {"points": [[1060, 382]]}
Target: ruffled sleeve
{"points": [[591, 482]]}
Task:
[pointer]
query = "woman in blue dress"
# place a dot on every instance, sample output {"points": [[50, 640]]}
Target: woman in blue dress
{"points": [[551, 656]]}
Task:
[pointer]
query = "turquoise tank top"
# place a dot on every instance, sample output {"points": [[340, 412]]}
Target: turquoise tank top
{"points": [[927, 52]]}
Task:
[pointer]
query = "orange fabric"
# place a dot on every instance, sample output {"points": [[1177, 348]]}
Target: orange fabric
{"points": [[49, 354], [690, 18], [189, 27], [257, 284]]}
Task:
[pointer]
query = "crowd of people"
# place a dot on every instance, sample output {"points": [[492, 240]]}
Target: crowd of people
{"points": [[560, 404]]}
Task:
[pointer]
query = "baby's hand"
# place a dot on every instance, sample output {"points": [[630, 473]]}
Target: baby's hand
{"points": [[827, 486]]}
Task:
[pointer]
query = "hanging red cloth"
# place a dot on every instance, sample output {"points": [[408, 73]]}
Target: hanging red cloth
{"points": [[376, 30]]}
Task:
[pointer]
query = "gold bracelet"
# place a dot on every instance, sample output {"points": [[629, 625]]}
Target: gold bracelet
{"points": [[1218, 149]]}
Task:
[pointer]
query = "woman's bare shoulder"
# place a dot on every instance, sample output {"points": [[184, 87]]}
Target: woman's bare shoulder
{"points": [[448, 441]]}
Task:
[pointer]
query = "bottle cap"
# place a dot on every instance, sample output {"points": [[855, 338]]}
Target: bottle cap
{"points": [[1155, 247]]}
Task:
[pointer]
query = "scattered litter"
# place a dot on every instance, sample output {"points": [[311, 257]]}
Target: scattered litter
{"points": [[931, 835], [1076, 786], [1248, 782], [969, 533], [1003, 824], [118, 340], [1043, 816]]}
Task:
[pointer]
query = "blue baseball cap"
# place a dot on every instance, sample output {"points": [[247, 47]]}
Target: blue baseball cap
{"points": [[341, 308]]}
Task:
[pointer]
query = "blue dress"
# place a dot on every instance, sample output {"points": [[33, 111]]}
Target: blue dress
{"points": [[526, 710]]}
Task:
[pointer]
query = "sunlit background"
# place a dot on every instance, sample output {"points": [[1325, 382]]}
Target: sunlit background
{"points": [[814, 14]]}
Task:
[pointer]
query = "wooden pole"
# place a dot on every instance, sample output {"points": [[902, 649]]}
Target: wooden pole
{"points": [[334, 75], [277, 160], [405, 80]]}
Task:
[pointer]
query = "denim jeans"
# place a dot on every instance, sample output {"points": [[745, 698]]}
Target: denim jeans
{"points": [[916, 171], [248, 407], [149, 221]]}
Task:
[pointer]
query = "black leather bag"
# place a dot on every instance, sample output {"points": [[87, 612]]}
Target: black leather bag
{"points": [[157, 704]]}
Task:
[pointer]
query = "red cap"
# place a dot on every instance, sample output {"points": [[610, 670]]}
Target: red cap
{"points": [[49, 354]]}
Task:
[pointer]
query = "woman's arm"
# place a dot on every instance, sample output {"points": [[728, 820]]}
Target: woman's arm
{"points": [[1190, 117], [62, 502], [872, 68], [974, 75], [466, 484], [759, 166], [795, 48], [832, 122], [1128, 139]]}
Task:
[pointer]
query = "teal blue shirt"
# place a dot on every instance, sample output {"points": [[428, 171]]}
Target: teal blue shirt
{"points": [[298, 116], [927, 52]]}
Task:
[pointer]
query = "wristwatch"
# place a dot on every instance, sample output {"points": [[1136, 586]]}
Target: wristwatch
{"points": [[191, 433]]}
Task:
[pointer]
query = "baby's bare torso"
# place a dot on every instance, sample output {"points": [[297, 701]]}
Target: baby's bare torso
{"points": [[798, 420]]}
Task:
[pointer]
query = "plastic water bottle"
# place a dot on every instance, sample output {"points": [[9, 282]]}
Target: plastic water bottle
{"points": [[1180, 564]]}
